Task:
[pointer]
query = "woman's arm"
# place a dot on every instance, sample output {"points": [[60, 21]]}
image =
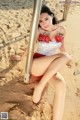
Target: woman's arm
{"points": [[18, 57], [36, 45], [36, 42], [62, 48], [62, 32]]}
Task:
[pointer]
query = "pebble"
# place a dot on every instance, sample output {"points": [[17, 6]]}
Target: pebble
{"points": [[76, 72]]}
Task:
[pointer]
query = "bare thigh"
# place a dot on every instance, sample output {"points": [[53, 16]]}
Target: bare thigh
{"points": [[40, 65]]}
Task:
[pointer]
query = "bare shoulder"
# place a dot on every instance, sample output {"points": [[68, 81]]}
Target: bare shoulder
{"points": [[59, 27], [62, 29], [37, 33], [55, 27]]}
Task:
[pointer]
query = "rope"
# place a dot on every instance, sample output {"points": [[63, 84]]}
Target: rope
{"points": [[13, 40]]}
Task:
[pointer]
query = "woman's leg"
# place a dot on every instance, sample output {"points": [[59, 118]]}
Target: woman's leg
{"points": [[59, 97], [52, 69]]}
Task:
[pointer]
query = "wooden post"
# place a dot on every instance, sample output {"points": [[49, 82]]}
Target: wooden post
{"points": [[66, 8], [34, 26]]}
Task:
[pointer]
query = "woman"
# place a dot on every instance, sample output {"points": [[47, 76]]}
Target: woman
{"points": [[49, 58]]}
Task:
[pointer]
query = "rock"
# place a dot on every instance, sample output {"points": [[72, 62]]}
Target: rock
{"points": [[6, 106], [76, 72], [76, 64], [16, 114]]}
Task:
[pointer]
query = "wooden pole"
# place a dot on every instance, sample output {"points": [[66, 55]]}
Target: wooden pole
{"points": [[34, 26], [66, 9]]}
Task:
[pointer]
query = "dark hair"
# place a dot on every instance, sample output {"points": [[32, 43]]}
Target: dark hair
{"points": [[45, 9]]}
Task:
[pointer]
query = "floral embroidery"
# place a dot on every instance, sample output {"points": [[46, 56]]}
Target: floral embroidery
{"points": [[44, 38]]}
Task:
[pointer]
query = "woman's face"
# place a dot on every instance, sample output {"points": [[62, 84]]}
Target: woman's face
{"points": [[45, 21]]}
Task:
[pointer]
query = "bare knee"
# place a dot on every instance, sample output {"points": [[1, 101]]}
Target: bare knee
{"points": [[66, 56], [61, 85]]}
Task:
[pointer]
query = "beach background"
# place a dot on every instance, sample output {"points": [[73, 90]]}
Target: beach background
{"points": [[15, 20]]}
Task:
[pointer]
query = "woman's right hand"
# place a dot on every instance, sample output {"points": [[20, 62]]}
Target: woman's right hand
{"points": [[16, 57]]}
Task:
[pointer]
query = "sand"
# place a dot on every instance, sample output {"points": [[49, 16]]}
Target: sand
{"points": [[15, 18]]}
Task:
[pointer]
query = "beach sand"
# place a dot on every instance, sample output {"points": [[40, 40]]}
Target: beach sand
{"points": [[15, 19]]}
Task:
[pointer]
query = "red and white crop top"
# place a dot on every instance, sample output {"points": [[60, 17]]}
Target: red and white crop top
{"points": [[48, 47]]}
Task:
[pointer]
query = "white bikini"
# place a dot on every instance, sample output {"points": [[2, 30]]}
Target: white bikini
{"points": [[50, 48]]}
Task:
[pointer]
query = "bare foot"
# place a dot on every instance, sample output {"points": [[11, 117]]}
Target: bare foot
{"points": [[37, 94]]}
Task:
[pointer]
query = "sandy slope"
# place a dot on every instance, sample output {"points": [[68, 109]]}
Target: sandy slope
{"points": [[15, 18]]}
